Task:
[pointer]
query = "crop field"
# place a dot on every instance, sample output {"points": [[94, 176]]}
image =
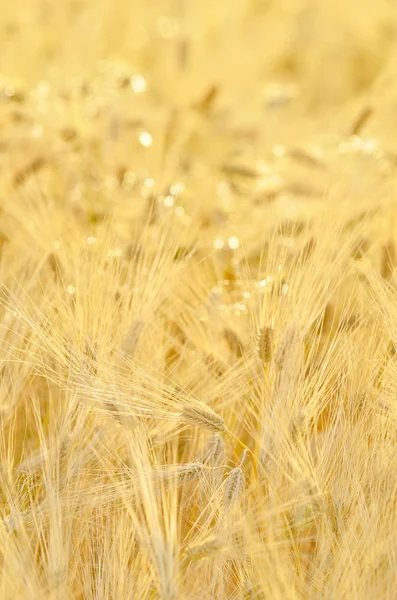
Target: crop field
{"points": [[198, 300]]}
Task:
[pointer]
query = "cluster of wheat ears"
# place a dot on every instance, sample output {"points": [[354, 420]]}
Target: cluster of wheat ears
{"points": [[198, 301]]}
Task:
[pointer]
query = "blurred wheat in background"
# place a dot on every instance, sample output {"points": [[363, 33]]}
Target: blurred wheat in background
{"points": [[198, 300]]}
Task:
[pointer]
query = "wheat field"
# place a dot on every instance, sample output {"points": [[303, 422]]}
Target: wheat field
{"points": [[198, 300]]}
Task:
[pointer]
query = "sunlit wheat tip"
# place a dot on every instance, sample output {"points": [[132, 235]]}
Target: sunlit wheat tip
{"points": [[190, 472], [310, 488], [234, 342], [10, 522], [123, 418], [204, 417], [388, 260], [206, 549], [182, 473], [338, 518], [265, 458], [265, 345], [307, 251], [216, 365], [133, 337], [361, 120], [296, 426], [234, 484], [233, 487], [286, 344], [215, 451]]}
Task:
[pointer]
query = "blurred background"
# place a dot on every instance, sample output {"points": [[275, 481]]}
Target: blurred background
{"points": [[332, 50], [105, 100]]}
